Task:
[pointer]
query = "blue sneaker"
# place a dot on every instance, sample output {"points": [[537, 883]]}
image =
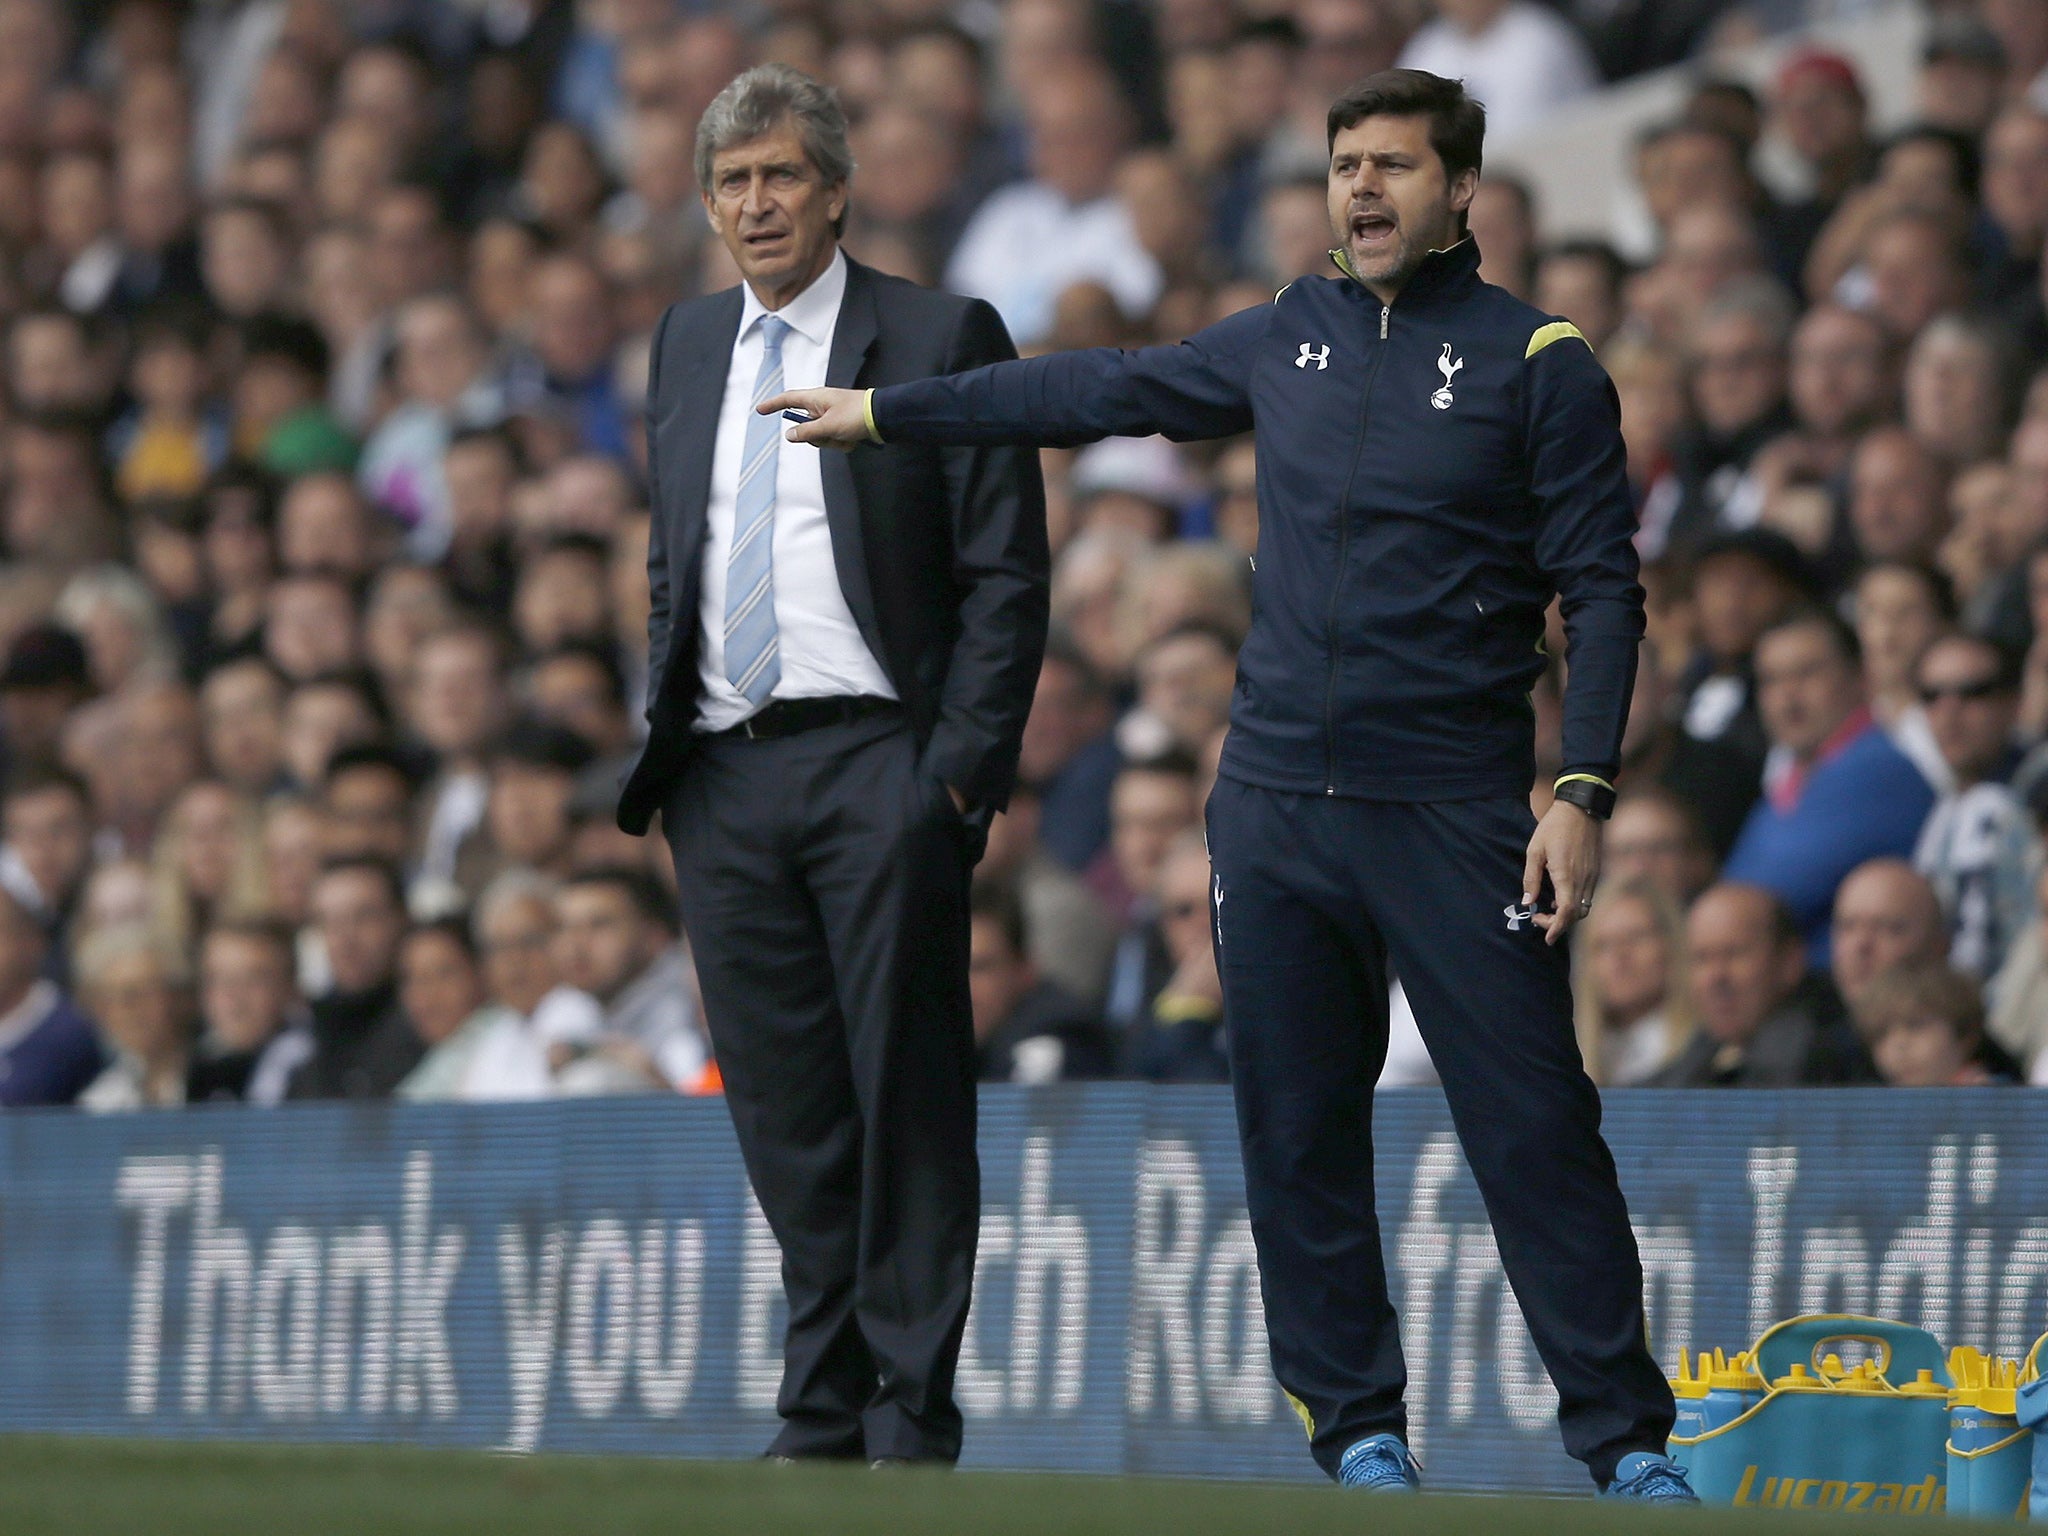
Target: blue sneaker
{"points": [[1650, 1478], [1381, 1464]]}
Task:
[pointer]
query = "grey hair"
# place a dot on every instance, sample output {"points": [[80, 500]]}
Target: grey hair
{"points": [[1957, 326], [513, 885], [762, 97], [1754, 297]]}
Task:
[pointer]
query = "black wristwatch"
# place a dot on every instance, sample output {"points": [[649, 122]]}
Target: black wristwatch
{"points": [[1594, 796]]}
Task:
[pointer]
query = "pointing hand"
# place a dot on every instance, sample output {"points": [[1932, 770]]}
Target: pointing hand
{"points": [[837, 417]]}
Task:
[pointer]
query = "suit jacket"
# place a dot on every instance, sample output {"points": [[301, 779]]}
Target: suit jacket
{"points": [[941, 552], [1791, 1049]]}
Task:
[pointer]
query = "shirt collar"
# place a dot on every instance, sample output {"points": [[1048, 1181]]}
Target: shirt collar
{"points": [[812, 313]]}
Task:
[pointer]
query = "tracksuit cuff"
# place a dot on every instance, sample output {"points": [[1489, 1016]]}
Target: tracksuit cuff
{"points": [[1579, 776], [867, 412]]}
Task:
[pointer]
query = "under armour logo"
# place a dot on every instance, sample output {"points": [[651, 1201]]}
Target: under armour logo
{"points": [[1517, 916], [1442, 398], [1320, 356]]}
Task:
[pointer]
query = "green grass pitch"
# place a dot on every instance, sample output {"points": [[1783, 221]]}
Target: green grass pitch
{"points": [[173, 1488]]}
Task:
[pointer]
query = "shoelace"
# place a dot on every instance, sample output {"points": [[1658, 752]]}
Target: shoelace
{"points": [[1384, 1463], [1658, 1482]]}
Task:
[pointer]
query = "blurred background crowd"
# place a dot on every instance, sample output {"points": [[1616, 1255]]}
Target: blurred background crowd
{"points": [[323, 335]]}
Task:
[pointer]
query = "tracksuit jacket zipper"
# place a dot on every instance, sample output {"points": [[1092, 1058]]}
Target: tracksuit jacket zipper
{"points": [[1344, 555]]}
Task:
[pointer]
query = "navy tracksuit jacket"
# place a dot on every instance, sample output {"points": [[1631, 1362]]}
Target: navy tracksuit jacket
{"points": [[1430, 473]]}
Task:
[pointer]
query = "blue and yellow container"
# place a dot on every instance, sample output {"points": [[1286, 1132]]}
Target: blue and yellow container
{"points": [[1990, 1457], [2030, 1405], [1724, 1390], [1821, 1435]]}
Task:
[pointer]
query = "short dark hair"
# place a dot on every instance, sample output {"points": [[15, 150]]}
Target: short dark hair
{"points": [[1846, 645], [257, 930], [499, 436], [276, 223], [650, 898], [1281, 31], [998, 902], [362, 684], [1610, 261], [1061, 650], [602, 657], [1173, 763], [537, 744], [1961, 149], [174, 322], [371, 754], [271, 932], [954, 36], [1727, 85], [24, 782], [472, 624], [254, 481], [287, 339], [242, 663], [1941, 591], [454, 929], [586, 545], [383, 871], [1457, 123]]}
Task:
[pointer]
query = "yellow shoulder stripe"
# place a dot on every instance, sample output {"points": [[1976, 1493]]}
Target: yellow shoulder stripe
{"points": [[1282, 289], [1557, 330]]}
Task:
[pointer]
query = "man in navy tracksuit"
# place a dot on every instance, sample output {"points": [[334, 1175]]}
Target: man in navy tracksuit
{"points": [[1436, 459]]}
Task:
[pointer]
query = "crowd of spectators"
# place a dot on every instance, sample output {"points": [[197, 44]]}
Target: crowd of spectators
{"points": [[323, 339]]}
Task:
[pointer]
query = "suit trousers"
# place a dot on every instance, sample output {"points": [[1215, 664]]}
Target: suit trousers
{"points": [[823, 882], [1312, 897]]}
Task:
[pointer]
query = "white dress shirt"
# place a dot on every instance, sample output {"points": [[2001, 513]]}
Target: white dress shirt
{"points": [[822, 652]]}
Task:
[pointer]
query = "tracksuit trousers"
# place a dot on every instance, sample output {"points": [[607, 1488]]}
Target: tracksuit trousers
{"points": [[1313, 897]]}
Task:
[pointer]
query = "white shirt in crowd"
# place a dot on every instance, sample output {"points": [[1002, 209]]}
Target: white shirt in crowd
{"points": [[1408, 1064], [1028, 244], [1522, 67], [821, 649], [1976, 849]]}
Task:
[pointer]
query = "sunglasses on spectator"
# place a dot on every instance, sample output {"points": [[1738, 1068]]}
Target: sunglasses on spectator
{"points": [[1982, 688]]}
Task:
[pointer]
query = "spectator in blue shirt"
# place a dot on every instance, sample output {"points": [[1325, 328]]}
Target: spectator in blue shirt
{"points": [[569, 373], [1836, 790], [48, 1051]]}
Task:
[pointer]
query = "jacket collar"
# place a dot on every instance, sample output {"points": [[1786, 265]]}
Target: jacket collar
{"points": [[1441, 270], [812, 314]]}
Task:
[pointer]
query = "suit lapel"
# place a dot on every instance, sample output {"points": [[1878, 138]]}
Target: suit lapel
{"points": [[853, 338], [699, 397]]}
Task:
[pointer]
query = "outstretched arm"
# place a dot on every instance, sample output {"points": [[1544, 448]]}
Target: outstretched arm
{"points": [[1199, 388]]}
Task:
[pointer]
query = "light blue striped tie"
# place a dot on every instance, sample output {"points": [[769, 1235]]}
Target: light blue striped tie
{"points": [[753, 660]]}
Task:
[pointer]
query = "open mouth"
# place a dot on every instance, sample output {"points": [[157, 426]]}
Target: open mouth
{"points": [[1371, 228], [764, 239]]}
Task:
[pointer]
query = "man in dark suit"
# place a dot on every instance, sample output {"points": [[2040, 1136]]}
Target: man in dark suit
{"points": [[843, 650]]}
